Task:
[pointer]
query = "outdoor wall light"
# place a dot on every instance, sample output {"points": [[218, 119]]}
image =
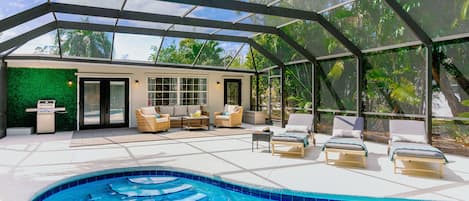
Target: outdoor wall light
{"points": [[137, 82], [218, 83], [69, 83]]}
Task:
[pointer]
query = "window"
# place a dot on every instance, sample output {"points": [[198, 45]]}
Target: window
{"points": [[162, 91], [193, 91], [177, 91]]}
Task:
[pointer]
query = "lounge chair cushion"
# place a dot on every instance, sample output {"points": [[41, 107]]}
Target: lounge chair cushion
{"points": [[301, 119], [348, 126], [296, 128], [148, 111], [167, 110], [180, 110], [161, 120], [174, 118], [407, 131], [417, 150]]}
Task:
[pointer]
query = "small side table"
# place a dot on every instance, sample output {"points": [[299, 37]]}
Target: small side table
{"points": [[261, 136]]}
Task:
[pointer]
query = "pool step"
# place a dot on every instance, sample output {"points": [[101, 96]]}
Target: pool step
{"points": [[189, 196], [194, 197], [135, 191], [152, 180]]}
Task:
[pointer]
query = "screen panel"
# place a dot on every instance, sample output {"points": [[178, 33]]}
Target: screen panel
{"points": [[46, 44], [26, 27], [136, 47], [83, 43], [439, 18], [314, 38], [395, 82], [179, 50], [370, 24]]}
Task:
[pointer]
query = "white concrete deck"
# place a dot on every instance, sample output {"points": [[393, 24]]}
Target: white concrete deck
{"points": [[30, 163]]}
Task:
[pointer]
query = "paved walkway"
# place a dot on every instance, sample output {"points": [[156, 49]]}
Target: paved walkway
{"points": [[31, 163]]}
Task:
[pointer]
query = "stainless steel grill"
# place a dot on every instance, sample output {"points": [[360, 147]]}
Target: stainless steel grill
{"points": [[45, 111]]}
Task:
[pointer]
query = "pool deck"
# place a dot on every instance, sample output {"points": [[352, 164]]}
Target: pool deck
{"points": [[31, 163]]}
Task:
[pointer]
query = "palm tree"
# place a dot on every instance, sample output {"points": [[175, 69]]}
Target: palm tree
{"points": [[83, 43]]}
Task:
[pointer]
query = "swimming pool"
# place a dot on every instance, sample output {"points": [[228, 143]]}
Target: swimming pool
{"points": [[161, 183]]}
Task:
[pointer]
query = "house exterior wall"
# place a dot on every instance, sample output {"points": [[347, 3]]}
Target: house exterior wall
{"points": [[138, 92]]}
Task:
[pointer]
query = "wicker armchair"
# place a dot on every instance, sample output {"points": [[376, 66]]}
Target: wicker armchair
{"points": [[148, 123], [234, 119]]}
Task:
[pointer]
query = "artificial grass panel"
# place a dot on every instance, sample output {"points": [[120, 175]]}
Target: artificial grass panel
{"points": [[27, 85]]}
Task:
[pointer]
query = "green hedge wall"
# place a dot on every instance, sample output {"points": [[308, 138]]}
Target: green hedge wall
{"points": [[27, 85]]}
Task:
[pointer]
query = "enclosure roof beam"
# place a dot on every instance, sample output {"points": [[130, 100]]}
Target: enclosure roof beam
{"points": [[24, 16], [308, 55], [266, 53], [143, 64], [23, 38], [339, 36], [416, 29], [252, 8], [147, 31], [149, 17]]}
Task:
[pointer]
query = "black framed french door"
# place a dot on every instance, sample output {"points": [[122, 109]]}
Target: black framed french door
{"points": [[104, 103], [232, 91]]}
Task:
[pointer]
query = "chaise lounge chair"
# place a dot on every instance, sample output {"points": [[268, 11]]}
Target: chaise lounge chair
{"points": [[408, 142], [297, 134], [347, 139]]}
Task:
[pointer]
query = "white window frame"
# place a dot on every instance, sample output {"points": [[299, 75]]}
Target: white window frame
{"points": [[178, 88]]}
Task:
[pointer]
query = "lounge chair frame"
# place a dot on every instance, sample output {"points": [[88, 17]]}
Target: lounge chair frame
{"points": [[360, 153], [296, 145], [439, 172], [441, 162]]}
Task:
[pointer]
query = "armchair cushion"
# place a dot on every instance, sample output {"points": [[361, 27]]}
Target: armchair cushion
{"points": [[161, 120], [148, 110], [229, 109], [223, 117]]}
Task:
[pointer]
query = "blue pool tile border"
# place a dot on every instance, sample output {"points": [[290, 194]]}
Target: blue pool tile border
{"points": [[280, 196]]}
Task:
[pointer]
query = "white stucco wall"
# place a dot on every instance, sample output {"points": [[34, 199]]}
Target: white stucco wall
{"points": [[138, 93]]}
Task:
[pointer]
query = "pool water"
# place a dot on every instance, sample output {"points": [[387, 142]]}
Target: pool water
{"points": [[164, 184], [179, 189]]}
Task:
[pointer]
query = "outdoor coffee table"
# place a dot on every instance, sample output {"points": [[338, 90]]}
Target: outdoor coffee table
{"points": [[188, 123], [261, 136]]}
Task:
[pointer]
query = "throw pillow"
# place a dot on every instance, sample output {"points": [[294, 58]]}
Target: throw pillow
{"points": [[157, 116], [346, 133], [403, 137], [198, 113]]}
